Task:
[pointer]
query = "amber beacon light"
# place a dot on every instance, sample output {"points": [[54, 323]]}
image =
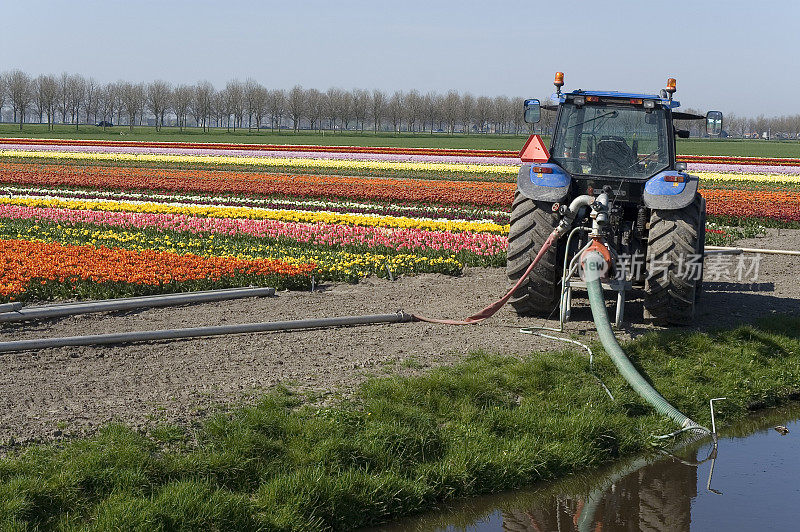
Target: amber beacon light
{"points": [[559, 81], [671, 86]]}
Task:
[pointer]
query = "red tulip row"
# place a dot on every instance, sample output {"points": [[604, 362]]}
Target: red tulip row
{"points": [[314, 186], [709, 159]]}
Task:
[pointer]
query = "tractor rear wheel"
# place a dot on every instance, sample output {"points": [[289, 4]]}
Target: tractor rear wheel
{"points": [[674, 270], [531, 224]]}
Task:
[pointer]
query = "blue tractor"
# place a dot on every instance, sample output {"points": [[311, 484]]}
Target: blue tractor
{"points": [[622, 145]]}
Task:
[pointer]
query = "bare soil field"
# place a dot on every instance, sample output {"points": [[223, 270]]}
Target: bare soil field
{"points": [[65, 392]]}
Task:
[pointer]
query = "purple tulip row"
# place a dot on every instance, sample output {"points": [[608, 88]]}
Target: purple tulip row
{"points": [[268, 154], [744, 168]]}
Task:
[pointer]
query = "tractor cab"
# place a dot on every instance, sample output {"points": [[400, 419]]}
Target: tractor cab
{"points": [[616, 138], [613, 135]]}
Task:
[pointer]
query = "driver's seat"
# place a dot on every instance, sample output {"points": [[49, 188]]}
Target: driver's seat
{"points": [[612, 156]]}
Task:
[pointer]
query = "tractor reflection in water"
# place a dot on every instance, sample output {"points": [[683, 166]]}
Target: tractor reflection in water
{"points": [[657, 497]]}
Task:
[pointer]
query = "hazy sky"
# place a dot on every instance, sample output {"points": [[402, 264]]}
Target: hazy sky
{"points": [[737, 56]]}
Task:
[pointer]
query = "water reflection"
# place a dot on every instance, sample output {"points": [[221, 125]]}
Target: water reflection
{"points": [[757, 470], [655, 497]]}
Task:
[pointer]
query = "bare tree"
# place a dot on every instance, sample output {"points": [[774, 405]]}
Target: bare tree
{"points": [[39, 98], [234, 95], [413, 106], [483, 109], [377, 108], [249, 90], [76, 90], [316, 107], [517, 118], [296, 105], [467, 111], [112, 101], [182, 98], [48, 92], [3, 89], [106, 104], [450, 108], [159, 94], [202, 96], [332, 97], [20, 91], [90, 106], [344, 104], [361, 105], [260, 98], [438, 112], [276, 106], [428, 110], [499, 114], [63, 96], [394, 110], [132, 96]]}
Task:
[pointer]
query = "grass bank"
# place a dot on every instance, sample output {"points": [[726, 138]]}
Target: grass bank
{"points": [[732, 147], [400, 445], [266, 136]]}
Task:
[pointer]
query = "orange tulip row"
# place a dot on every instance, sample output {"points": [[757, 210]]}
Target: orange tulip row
{"points": [[23, 262], [779, 205]]}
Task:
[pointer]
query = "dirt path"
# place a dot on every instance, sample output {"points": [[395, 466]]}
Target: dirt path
{"points": [[61, 392]]}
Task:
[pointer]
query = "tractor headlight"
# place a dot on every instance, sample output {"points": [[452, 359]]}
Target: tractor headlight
{"points": [[649, 104]]}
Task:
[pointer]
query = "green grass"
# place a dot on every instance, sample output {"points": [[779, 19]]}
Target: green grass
{"points": [[349, 138], [752, 225], [403, 444], [733, 147]]}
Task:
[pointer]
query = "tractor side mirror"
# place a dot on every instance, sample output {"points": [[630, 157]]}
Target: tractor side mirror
{"points": [[533, 111], [714, 123]]}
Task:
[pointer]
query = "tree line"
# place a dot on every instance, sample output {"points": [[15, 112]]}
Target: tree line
{"points": [[76, 99]]}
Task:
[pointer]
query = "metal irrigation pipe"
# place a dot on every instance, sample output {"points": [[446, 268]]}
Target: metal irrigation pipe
{"points": [[106, 305], [194, 332], [10, 307], [755, 250]]}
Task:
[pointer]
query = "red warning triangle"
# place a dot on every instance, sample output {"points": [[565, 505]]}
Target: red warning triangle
{"points": [[534, 151]]}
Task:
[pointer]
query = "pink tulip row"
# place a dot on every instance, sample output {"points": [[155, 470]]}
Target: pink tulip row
{"points": [[744, 168], [483, 244]]}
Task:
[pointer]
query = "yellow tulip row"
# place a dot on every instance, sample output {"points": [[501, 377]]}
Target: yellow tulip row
{"points": [[284, 215], [724, 177]]}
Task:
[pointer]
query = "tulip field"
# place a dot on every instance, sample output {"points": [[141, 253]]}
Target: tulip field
{"points": [[86, 219]]}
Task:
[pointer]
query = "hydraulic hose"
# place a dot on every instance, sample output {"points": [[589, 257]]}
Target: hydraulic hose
{"points": [[558, 232], [621, 361], [497, 305]]}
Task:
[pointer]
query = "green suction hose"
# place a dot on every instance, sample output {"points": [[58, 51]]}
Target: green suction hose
{"points": [[624, 365]]}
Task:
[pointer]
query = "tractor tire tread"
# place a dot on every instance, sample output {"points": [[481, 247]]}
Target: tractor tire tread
{"points": [[531, 225], [674, 236]]}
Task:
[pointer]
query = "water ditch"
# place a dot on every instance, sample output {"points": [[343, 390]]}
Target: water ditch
{"points": [[755, 485]]}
